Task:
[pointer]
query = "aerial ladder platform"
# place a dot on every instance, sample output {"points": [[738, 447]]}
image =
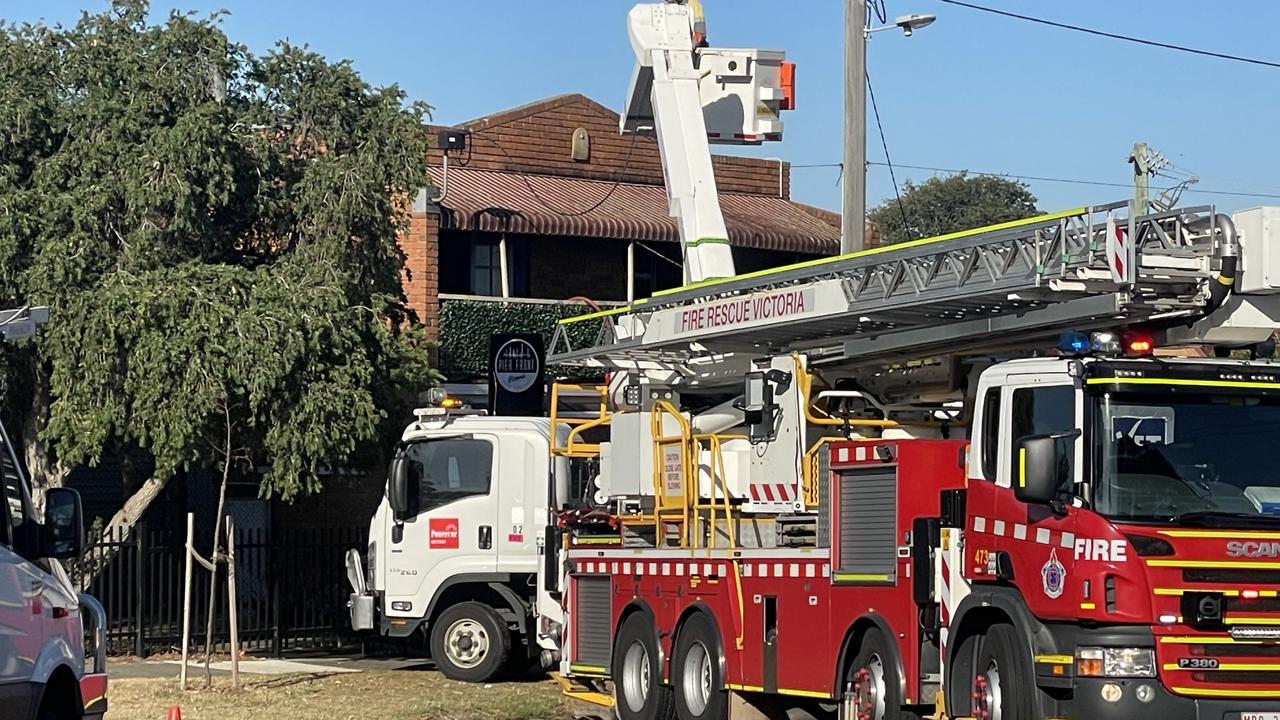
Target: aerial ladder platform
{"points": [[1008, 284]]}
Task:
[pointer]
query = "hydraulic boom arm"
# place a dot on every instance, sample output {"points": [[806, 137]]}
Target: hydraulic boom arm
{"points": [[690, 96]]}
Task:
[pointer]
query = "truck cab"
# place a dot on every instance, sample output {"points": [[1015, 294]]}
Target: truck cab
{"points": [[1122, 515], [456, 544]]}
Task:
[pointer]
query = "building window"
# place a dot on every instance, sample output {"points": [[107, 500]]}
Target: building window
{"points": [[486, 269], [658, 267], [471, 264]]}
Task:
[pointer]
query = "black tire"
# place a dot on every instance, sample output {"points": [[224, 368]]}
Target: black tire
{"points": [[1002, 684], [959, 699], [873, 675], [470, 642], [696, 672], [638, 692]]}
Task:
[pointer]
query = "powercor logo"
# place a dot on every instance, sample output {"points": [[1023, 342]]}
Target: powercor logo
{"points": [[1250, 549], [442, 534]]}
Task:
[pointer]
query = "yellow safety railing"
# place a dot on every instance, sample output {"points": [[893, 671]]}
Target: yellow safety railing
{"points": [[574, 446], [661, 441], [719, 485]]}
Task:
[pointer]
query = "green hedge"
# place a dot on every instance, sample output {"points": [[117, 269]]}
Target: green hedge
{"points": [[465, 327]]}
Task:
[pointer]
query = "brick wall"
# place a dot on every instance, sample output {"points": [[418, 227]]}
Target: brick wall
{"points": [[537, 138], [420, 245]]}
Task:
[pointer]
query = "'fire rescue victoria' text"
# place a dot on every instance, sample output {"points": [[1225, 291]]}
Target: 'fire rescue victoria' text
{"points": [[745, 310]]}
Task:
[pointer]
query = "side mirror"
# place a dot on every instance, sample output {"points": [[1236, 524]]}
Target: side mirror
{"points": [[1042, 466], [398, 485], [62, 535]]}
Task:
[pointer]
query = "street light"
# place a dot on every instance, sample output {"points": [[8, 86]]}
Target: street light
{"points": [[853, 208], [908, 24]]}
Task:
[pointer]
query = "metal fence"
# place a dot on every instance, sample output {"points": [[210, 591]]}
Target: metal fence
{"points": [[291, 590]]}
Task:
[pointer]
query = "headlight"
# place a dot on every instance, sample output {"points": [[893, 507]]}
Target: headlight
{"points": [[1115, 662]]}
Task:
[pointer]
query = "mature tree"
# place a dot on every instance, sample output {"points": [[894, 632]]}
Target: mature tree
{"points": [[214, 232], [957, 202]]}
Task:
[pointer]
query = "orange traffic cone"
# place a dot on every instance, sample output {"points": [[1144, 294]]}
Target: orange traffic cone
{"points": [[175, 713]]}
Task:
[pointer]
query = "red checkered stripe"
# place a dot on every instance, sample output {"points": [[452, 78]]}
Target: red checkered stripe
{"points": [[1018, 531], [683, 568]]}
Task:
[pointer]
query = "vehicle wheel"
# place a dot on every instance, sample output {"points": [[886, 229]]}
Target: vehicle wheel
{"points": [[696, 672], [638, 692], [470, 642], [1002, 686], [874, 678]]}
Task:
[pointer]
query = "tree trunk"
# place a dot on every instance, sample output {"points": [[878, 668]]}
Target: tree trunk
{"points": [[119, 529], [216, 556], [46, 471]]}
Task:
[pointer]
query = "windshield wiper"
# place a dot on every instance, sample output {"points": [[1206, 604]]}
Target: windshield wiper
{"points": [[1225, 519]]}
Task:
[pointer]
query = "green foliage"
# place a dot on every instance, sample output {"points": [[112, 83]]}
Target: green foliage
{"points": [[215, 234], [465, 327], [949, 204]]}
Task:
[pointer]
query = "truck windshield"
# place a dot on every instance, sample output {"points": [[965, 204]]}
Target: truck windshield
{"points": [[1187, 456]]}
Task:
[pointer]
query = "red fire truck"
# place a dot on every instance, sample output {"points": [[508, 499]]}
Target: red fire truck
{"points": [[1017, 472], [967, 473]]}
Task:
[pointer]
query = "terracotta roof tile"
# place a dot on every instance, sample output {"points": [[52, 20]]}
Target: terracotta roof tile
{"points": [[496, 201]]}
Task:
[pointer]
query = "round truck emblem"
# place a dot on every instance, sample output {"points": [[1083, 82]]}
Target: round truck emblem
{"points": [[516, 365], [1053, 575]]}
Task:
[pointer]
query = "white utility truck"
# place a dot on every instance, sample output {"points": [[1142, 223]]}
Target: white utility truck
{"points": [[42, 617], [457, 557]]}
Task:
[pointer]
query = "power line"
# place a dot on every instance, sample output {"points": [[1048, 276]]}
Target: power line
{"points": [[1115, 36], [906, 226], [1070, 181]]}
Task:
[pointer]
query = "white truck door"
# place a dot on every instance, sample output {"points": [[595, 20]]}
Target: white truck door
{"points": [[453, 488], [521, 492]]}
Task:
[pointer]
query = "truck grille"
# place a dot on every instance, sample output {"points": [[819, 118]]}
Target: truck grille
{"points": [[1243, 666], [1233, 576]]}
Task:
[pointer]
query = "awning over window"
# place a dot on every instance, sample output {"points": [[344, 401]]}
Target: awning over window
{"points": [[497, 201]]}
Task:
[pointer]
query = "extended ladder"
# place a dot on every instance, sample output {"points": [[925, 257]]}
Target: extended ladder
{"points": [[1013, 282]]}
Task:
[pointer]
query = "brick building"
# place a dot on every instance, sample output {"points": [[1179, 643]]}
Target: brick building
{"points": [[550, 203]]}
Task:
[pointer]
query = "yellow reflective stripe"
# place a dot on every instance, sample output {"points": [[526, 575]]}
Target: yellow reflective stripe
{"points": [[1218, 564], [1184, 382], [883, 249], [745, 688], [1087, 606], [1055, 659], [1225, 692], [1221, 534], [1245, 667], [587, 669], [1022, 467], [1228, 593], [860, 576], [1251, 620], [1206, 640], [804, 693], [594, 315]]}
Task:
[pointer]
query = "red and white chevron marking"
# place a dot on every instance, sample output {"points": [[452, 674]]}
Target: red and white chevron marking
{"points": [[773, 492]]}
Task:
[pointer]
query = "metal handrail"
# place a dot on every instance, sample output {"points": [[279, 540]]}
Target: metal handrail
{"points": [[90, 606]]}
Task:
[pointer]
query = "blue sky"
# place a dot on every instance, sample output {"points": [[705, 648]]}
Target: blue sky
{"points": [[973, 91]]}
